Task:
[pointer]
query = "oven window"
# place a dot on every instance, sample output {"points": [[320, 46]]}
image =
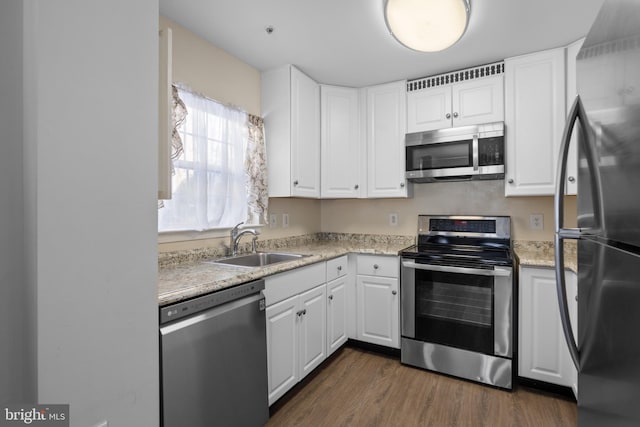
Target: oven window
{"points": [[455, 309], [439, 156]]}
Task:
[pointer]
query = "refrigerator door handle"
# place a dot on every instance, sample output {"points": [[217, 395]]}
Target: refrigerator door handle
{"points": [[577, 113]]}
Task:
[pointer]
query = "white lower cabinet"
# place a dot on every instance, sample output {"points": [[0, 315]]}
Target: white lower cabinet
{"points": [[296, 339], [296, 316], [543, 351], [338, 281], [282, 347], [378, 301]]}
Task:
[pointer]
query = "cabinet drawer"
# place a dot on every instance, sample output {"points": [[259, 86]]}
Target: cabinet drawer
{"points": [[284, 285], [378, 265], [336, 267]]}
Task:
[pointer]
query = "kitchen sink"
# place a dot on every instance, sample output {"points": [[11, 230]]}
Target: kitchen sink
{"points": [[259, 259]]}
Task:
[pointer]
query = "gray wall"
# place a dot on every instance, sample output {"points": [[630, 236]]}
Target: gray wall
{"points": [[78, 233], [17, 303]]}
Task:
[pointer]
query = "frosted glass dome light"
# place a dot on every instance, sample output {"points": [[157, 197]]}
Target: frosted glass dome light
{"points": [[427, 25]]}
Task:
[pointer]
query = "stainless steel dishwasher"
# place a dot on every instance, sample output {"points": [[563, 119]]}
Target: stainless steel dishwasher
{"points": [[214, 359]]}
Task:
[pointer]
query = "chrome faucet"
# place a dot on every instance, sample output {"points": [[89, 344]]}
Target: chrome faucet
{"points": [[236, 234]]}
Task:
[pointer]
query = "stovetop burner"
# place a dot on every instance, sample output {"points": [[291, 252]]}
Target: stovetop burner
{"points": [[466, 241]]}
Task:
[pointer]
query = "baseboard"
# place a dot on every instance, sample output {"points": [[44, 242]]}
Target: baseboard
{"points": [[558, 390]]}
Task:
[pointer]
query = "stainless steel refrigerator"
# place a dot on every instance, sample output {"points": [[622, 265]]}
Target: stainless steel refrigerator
{"points": [[607, 116]]}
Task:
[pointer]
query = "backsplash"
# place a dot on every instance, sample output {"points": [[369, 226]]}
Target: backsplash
{"points": [[166, 259]]}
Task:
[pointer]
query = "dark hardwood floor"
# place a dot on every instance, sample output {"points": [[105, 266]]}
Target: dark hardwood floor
{"points": [[360, 388]]}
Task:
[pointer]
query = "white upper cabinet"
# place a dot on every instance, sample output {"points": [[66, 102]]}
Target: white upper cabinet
{"points": [[340, 142], [535, 115], [432, 105], [164, 114], [571, 186], [386, 121], [291, 110]]}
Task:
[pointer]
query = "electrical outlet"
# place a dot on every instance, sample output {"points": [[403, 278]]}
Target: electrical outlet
{"points": [[285, 220], [393, 219], [273, 220], [536, 221]]}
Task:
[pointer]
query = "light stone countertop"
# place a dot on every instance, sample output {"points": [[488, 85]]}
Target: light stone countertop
{"points": [[542, 254], [186, 275]]}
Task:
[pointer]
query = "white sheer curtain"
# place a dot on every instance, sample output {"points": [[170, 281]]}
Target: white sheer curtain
{"points": [[209, 183]]}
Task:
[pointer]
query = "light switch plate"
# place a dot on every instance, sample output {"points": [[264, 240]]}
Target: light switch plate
{"points": [[393, 219], [285, 220], [536, 221], [273, 220]]}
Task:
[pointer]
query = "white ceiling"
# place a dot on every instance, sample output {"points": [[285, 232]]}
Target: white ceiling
{"points": [[346, 42]]}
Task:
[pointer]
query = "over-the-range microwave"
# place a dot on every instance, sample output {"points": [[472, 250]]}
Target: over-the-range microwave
{"points": [[456, 154]]}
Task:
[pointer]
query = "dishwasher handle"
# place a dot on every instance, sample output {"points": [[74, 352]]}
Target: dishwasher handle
{"points": [[188, 308], [211, 313]]}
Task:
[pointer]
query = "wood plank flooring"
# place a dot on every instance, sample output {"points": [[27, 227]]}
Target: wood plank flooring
{"points": [[360, 388]]}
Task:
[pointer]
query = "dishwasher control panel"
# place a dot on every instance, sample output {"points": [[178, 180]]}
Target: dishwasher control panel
{"points": [[204, 302]]}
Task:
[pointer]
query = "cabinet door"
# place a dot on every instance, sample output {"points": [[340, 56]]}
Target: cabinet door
{"points": [[340, 144], [429, 109], [305, 135], [571, 186], [534, 121], [336, 313], [282, 347], [378, 310], [572, 299], [543, 352], [478, 101], [386, 123], [313, 329]]}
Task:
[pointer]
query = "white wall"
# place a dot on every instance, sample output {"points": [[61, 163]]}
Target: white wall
{"points": [[448, 198], [90, 186], [17, 319]]}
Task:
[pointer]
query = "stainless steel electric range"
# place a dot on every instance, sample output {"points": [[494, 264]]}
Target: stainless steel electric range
{"points": [[457, 298]]}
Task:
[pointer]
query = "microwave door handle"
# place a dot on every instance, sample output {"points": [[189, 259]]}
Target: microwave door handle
{"points": [[502, 272], [475, 159]]}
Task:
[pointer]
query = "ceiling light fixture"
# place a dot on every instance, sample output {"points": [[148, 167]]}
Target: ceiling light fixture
{"points": [[427, 25]]}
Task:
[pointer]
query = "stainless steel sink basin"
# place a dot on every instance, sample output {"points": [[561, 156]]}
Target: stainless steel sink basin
{"points": [[259, 259]]}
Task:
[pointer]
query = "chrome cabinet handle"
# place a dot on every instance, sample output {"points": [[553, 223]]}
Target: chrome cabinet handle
{"points": [[295, 182], [339, 268], [299, 313], [375, 266], [571, 179], [394, 292], [304, 311], [355, 187], [510, 180], [402, 185], [448, 115], [455, 115], [330, 297]]}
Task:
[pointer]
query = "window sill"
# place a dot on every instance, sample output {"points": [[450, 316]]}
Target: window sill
{"points": [[189, 235]]}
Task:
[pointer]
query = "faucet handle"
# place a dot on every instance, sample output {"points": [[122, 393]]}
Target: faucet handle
{"points": [[234, 230]]}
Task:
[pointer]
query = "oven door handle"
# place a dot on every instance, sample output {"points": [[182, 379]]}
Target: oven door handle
{"points": [[497, 271]]}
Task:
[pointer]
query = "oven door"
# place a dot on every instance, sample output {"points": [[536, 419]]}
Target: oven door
{"points": [[467, 308]]}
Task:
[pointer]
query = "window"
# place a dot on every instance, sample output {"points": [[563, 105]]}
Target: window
{"points": [[209, 182]]}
